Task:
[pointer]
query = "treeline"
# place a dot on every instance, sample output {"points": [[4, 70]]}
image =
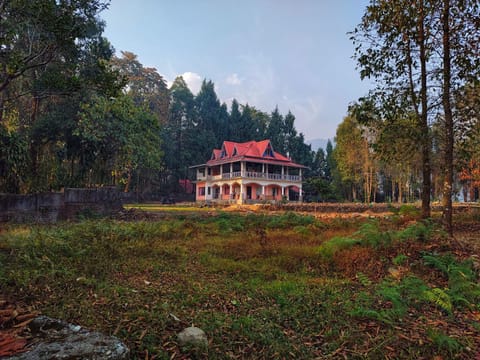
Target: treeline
{"points": [[73, 114]]}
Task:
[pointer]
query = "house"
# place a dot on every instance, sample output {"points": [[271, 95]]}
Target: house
{"points": [[248, 172]]}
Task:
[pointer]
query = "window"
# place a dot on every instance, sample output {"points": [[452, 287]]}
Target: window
{"points": [[201, 191], [209, 190], [223, 153], [268, 151], [234, 151], [213, 156]]}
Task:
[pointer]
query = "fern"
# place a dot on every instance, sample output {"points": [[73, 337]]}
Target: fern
{"points": [[463, 287], [444, 342], [440, 298], [364, 280], [371, 234]]}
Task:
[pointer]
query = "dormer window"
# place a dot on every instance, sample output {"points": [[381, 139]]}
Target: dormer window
{"points": [[223, 153], [213, 156], [268, 151], [234, 151]]}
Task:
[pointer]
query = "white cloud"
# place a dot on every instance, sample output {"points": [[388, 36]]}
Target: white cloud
{"points": [[233, 79], [193, 80]]}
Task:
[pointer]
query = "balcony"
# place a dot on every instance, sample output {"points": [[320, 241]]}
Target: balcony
{"points": [[252, 175]]}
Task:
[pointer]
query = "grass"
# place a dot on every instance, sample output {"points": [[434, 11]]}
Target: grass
{"points": [[259, 285]]}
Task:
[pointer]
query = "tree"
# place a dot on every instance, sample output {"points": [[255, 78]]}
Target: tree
{"points": [[123, 138], [145, 85], [35, 34], [413, 49], [179, 135], [460, 29], [275, 133], [355, 161], [393, 46], [212, 119]]}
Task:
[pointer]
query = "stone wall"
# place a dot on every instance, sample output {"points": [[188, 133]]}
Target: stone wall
{"points": [[51, 207]]}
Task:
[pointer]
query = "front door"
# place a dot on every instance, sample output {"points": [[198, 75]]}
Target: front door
{"points": [[249, 192]]}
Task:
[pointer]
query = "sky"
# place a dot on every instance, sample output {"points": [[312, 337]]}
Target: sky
{"points": [[294, 54]]}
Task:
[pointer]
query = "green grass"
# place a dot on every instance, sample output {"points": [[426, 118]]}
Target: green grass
{"points": [[260, 285]]}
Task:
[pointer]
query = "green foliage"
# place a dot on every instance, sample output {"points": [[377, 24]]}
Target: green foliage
{"points": [[288, 220], [463, 287], [400, 259], [420, 230], [371, 234], [124, 137], [363, 279], [444, 343], [440, 298], [328, 249], [409, 210]]}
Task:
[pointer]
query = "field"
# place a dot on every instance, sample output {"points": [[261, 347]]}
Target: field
{"points": [[261, 285]]}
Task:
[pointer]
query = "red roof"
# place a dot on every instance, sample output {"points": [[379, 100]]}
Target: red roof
{"points": [[256, 151]]}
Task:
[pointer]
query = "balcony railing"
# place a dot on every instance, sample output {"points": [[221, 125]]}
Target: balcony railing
{"points": [[252, 175]]}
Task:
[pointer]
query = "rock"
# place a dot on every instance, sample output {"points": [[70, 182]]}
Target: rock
{"points": [[192, 336], [56, 339]]}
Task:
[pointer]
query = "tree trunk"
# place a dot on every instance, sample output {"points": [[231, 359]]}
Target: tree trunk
{"points": [[448, 156], [400, 191], [426, 168]]}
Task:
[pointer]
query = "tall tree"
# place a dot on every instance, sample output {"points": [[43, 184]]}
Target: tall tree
{"points": [[393, 45], [179, 134], [275, 132], [145, 85]]}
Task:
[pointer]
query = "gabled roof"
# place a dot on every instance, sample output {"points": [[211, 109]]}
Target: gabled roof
{"points": [[256, 151]]}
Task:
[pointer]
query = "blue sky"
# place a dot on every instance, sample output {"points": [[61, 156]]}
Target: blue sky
{"points": [[291, 53]]}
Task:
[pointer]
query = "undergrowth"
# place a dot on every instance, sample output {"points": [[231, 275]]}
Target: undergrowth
{"points": [[260, 285]]}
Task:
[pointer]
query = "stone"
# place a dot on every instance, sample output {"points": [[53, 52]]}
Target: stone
{"points": [[192, 336], [57, 339]]}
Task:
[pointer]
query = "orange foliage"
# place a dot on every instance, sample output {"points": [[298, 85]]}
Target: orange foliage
{"points": [[471, 173]]}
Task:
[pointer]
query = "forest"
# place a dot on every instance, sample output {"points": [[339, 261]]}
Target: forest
{"points": [[74, 114]]}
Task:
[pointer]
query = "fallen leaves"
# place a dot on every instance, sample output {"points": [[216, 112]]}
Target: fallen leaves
{"points": [[13, 320]]}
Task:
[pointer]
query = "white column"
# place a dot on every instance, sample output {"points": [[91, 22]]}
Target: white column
{"points": [[242, 193]]}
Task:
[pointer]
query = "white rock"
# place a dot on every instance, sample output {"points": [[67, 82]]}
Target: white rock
{"points": [[192, 336]]}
